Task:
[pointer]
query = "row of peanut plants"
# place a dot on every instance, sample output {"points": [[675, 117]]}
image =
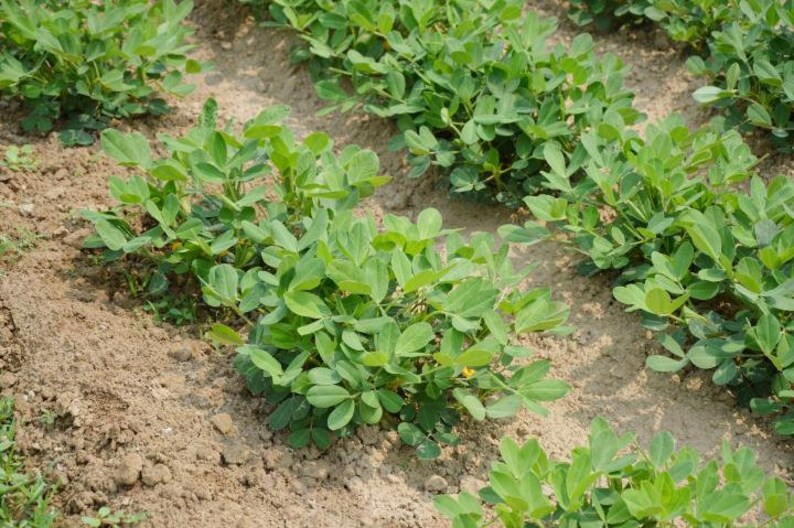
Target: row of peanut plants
{"points": [[339, 321], [474, 89], [744, 49]]}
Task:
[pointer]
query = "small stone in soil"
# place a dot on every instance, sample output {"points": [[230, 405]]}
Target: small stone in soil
{"points": [[181, 354], [223, 423], [314, 469]]}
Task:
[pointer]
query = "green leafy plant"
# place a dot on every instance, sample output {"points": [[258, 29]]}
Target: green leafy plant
{"points": [[105, 516], [78, 63], [707, 264], [12, 247], [743, 49], [613, 481], [25, 500], [348, 324], [199, 208], [750, 66], [376, 325], [18, 158], [471, 85]]}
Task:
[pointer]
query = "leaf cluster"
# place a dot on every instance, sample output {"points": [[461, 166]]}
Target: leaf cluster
{"points": [[709, 265], [613, 481], [79, 63], [348, 323], [473, 86], [743, 48]]}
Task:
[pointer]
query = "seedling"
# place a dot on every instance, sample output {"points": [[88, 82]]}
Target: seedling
{"points": [[19, 158], [107, 517]]}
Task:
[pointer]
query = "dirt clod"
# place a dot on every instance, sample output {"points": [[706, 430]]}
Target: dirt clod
{"points": [[436, 484], [181, 354], [223, 423], [7, 380], [129, 469], [157, 474], [236, 454]]}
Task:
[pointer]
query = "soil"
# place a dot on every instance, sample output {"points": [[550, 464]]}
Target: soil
{"points": [[143, 417]]}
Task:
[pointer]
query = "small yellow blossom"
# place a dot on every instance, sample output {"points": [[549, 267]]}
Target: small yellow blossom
{"points": [[468, 372], [175, 246]]}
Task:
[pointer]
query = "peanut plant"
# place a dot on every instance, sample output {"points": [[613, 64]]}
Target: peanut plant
{"points": [[347, 323], [708, 265], [742, 48], [472, 86], [614, 481], [78, 63]]}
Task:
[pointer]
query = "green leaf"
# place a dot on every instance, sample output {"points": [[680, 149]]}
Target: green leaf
{"points": [[706, 238], [428, 450], [128, 149], [112, 237], [710, 94], [658, 301], [321, 438], [341, 415], [224, 335], [298, 439], [264, 361], [665, 364], [546, 390], [471, 298], [661, 449], [306, 304], [414, 338], [223, 280], [470, 402], [759, 116], [541, 315], [410, 434], [768, 333], [325, 396], [504, 407], [429, 223], [391, 401]]}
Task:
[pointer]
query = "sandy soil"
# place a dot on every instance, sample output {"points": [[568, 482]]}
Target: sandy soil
{"points": [[151, 418]]}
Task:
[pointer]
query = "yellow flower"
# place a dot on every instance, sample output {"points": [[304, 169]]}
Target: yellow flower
{"points": [[176, 245], [468, 372]]}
